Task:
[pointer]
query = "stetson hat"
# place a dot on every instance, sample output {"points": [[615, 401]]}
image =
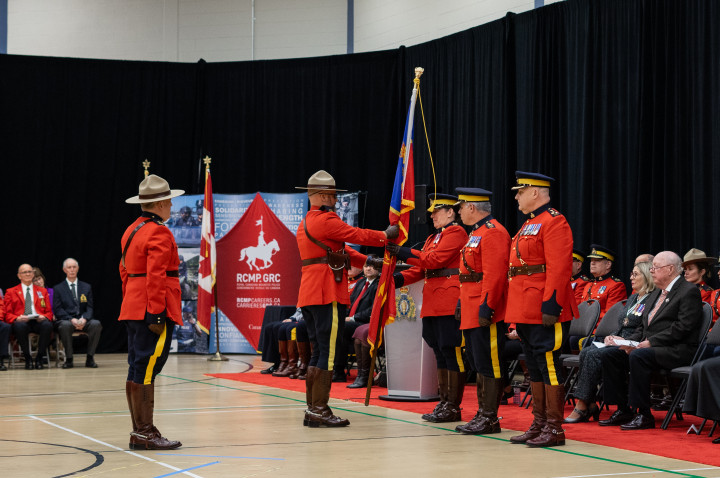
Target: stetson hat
{"points": [[154, 188], [321, 180], [694, 256]]}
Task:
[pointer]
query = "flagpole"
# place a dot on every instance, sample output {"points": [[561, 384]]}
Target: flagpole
{"points": [[218, 357]]}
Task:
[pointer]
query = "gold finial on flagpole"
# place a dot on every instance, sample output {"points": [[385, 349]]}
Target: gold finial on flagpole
{"points": [[146, 165], [418, 73], [207, 160]]}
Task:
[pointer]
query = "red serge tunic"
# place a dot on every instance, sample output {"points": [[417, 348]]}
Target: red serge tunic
{"points": [[486, 252], [607, 290], [317, 285], [152, 252], [441, 251], [544, 239]]}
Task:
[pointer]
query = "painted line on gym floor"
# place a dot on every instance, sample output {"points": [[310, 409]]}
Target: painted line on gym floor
{"points": [[632, 473], [114, 447], [582, 455], [221, 456], [187, 469]]}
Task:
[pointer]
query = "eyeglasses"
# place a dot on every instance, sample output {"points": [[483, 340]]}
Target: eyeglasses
{"points": [[654, 268], [26, 272], [634, 274]]}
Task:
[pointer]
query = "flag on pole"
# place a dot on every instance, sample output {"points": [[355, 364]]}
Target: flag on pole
{"points": [[401, 203], [206, 269]]}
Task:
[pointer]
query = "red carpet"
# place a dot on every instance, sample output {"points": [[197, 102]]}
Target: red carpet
{"points": [[671, 443]]}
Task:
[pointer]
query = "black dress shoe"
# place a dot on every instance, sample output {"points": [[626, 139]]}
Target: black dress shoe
{"points": [[39, 365], [269, 370], [29, 365], [3, 367], [620, 417], [339, 376], [640, 422], [90, 362], [664, 404], [716, 441], [584, 415], [68, 363]]}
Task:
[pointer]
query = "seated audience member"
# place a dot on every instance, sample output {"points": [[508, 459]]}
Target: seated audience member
{"points": [[667, 338], [288, 348], [270, 345], [591, 357], [579, 280], [28, 309], [603, 287], [697, 270], [361, 304], [644, 258], [361, 335], [73, 309], [702, 397], [39, 280], [4, 335]]}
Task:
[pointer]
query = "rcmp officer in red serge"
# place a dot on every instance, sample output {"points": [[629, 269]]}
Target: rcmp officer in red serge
{"points": [[437, 263], [151, 305], [579, 280], [483, 296], [323, 295], [603, 287], [541, 303]]}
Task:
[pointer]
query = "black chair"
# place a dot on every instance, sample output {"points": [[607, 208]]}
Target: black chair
{"points": [[682, 373], [607, 326]]}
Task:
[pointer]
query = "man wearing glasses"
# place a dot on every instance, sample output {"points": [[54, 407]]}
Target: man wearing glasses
{"points": [[667, 338], [28, 309]]}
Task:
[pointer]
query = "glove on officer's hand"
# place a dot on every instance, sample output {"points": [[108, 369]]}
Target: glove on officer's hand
{"points": [[549, 320], [392, 232], [392, 248], [156, 322], [484, 322]]}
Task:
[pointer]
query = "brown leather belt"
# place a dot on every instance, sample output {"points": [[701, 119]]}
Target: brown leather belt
{"points": [[432, 273], [472, 277], [167, 274], [526, 270], [315, 260]]}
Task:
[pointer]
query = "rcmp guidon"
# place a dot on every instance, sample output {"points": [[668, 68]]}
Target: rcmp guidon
{"points": [[437, 264], [483, 297], [541, 302]]}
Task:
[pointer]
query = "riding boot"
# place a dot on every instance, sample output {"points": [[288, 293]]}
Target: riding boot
{"points": [[147, 437], [493, 395], [320, 414], [526, 376], [363, 360], [442, 376], [304, 355], [283, 349], [292, 357], [477, 421], [456, 387], [128, 395], [309, 381], [552, 433], [536, 428]]}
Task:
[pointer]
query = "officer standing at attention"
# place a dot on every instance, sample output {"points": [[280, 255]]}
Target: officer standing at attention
{"points": [[150, 306], [483, 296], [437, 263], [541, 302], [323, 295]]}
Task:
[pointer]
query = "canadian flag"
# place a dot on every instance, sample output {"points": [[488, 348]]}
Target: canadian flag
{"points": [[206, 268]]}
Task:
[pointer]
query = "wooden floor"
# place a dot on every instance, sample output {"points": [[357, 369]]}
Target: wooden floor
{"points": [[75, 422]]}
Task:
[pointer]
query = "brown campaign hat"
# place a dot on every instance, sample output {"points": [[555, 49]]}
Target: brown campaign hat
{"points": [[696, 255], [321, 180], [154, 188]]}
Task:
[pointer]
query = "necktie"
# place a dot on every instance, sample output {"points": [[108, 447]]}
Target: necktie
{"points": [[357, 301], [659, 302], [28, 302], [74, 292]]}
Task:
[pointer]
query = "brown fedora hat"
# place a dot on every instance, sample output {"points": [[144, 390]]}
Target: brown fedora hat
{"points": [[321, 180], [696, 255], [154, 188]]}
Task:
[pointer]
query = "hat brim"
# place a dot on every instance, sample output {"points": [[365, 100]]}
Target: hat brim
{"points": [[173, 193], [709, 260], [593, 256]]}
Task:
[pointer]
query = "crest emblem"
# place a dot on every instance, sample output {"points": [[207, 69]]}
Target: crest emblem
{"points": [[263, 251]]}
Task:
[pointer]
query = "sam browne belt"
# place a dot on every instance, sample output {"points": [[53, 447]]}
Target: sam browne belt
{"points": [[526, 270], [472, 277], [432, 273]]}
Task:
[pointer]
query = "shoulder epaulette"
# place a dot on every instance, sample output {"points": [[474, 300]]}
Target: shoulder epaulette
{"points": [[706, 287], [616, 279], [490, 225], [553, 212], [585, 278]]}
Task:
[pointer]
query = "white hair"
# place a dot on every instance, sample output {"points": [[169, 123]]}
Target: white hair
{"points": [[70, 259]]}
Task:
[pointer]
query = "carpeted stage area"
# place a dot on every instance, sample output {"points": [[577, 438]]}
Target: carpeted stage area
{"points": [[671, 443]]}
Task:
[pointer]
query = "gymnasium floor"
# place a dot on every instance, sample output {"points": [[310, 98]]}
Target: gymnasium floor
{"points": [[75, 422]]}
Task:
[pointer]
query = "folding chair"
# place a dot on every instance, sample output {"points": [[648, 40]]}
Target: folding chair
{"points": [[682, 373], [60, 356], [607, 326]]}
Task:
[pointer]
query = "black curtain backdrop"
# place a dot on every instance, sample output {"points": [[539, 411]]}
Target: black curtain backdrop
{"points": [[616, 99]]}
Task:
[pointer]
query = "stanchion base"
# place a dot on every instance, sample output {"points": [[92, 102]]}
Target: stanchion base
{"points": [[406, 398], [218, 358]]}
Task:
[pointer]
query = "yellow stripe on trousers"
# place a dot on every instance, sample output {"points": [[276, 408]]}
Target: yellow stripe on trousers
{"points": [[153, 358], [552, 373], [458, 354], [494, 356], [293, 334], [333, 335]]}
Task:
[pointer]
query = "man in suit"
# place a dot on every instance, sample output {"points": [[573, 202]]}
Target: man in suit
{"points": [[668, 338], [73, 310], [28, 309]]}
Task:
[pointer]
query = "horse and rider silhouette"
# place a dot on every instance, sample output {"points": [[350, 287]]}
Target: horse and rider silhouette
{"points": [[263, 251]]}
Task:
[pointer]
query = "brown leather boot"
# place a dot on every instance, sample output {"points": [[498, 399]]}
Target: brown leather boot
{"points": [[283, 349], [451, 411], [292, 357], [493, 395], [476, 422], [147, 437], [363, 360], [309, 381], [552, 433], [304, 356], [128, 395], [442, 376], [320, 414], [538, 396]]}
